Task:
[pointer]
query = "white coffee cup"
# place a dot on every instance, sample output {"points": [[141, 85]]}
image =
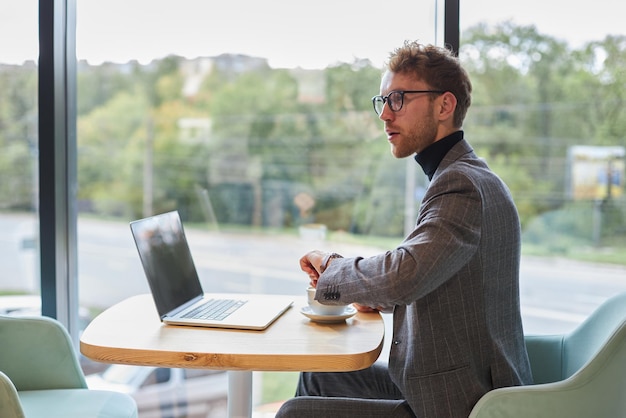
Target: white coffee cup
{"points": [[321, 309]]}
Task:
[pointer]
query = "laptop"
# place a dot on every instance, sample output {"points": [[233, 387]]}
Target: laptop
{"points": [[176, 289]]}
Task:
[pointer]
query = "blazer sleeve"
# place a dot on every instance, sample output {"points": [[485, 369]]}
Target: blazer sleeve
{"points": [[446, 236]]}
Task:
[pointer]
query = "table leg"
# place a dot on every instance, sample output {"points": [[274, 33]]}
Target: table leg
{"points": [[239, 394]]}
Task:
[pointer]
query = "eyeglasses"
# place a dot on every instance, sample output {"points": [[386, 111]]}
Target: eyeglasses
{"points": [[395, 99]]}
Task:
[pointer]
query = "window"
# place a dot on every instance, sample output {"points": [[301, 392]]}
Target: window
{"points": [[19, 202], [254, 121], [256, 126], [546, 115]]}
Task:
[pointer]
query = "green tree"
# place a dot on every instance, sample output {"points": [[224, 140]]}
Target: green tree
{"points": [[18, 135], [97, 84], [519, 117], [106, 149], [606, 59]]}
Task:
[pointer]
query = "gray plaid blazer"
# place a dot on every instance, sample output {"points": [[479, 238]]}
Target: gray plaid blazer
{"points": [[453, 285]]}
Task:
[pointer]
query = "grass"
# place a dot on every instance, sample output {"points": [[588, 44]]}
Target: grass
{"points": [[563, 246], [603, 255]]}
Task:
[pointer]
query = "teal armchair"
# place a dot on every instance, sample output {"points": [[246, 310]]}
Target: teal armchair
{"points": [[40, 376], [578, 375]]}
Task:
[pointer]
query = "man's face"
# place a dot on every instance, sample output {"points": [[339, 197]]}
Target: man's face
{"points": [[414, 127]]}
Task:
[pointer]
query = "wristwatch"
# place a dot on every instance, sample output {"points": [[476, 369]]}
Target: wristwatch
{"points": [[327, 259]]}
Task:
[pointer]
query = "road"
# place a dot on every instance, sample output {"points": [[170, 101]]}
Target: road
{"points": [[556, 294]]}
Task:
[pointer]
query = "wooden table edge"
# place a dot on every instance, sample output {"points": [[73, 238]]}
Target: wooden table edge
{"points": [[260, 362]]}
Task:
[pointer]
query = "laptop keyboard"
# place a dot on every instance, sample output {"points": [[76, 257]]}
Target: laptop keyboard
{"points": [[215, 309]]}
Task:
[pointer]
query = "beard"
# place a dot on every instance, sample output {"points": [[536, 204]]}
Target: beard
{"points": [[420, 135]]}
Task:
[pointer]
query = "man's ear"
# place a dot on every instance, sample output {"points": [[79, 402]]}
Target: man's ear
{"points": [[447, 103]]}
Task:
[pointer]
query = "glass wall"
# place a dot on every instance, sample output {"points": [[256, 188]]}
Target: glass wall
{"points": [[19, 248], [262, 136], [548, 116], [254, 121]]}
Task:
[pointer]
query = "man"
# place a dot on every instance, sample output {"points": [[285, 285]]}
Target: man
{"points": [[453, 283]]}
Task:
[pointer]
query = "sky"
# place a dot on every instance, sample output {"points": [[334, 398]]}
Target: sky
{"points": [[288, 33]]}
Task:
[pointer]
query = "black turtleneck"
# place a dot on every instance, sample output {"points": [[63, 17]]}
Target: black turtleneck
{"points": [[430, 158]]}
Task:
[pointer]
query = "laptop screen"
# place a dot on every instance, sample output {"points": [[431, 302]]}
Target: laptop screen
{"points": [[166, 260]]}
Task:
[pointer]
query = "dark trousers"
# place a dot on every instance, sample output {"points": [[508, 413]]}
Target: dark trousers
{"points": [[363, 394]]}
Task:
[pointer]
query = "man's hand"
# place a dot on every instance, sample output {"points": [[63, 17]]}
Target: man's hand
{"points": [[363, 308], [311, 263]]}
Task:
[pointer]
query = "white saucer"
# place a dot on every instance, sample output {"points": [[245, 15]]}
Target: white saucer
{"points": [[349, 312]]}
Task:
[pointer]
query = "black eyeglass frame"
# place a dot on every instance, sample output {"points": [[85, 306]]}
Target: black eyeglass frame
{"points": [[385, 99]]}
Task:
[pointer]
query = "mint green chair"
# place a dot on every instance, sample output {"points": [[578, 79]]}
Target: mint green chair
{"points": [[40, 376], [578, 375]]}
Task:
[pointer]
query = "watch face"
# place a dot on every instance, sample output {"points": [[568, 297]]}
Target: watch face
{"points": [[327, 260]]}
